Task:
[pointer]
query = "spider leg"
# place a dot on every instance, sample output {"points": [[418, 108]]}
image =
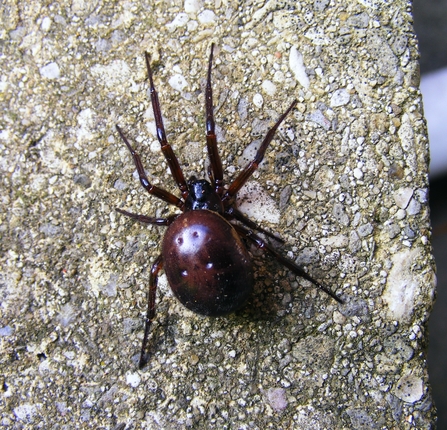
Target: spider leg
{"points": [[151, 189], [210, 173], [147, 219], [150, 314], [242, 178], [291, 265], [233, 213], [167, 150], [211, 141]]}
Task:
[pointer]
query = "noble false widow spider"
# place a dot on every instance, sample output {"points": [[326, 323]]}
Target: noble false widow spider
{"points": [[203, 253]]}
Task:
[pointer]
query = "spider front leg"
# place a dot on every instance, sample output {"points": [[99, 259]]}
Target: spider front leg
{"points": [[167, 150], [243, 177], [211, 141], [291, 265]]}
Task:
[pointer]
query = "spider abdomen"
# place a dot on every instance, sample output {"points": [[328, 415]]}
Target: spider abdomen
{"points": [[206, 263]]}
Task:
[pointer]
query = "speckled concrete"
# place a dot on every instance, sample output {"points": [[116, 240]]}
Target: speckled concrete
{"points": [[347, 173]]}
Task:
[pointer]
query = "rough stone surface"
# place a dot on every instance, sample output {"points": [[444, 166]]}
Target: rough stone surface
{"points": [[352, 157]]}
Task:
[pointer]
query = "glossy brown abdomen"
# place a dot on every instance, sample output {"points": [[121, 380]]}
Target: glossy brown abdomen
{"points": [[206, 263]]}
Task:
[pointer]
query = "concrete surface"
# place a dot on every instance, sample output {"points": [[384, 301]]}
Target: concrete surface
{"points": [[352, 159], [429, 21]]}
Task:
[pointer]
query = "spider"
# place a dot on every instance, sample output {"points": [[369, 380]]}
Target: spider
{"points": [[203, 251]]}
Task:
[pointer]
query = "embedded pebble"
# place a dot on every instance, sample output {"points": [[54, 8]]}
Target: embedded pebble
{"points": [[120, 185], [67, 315], [414, 207], [365, 230], [402, 286], [360, 419], [318, 117], [82, 180], [130, 325], [268, 87], [278, 77], [399, 45], [395, 346], [324, 178], [354, 242], [242, 109], [18, 33], [310, 193], [340, 215], [207, 17], [276, 397], [110, 288], [393, 230], [356, 307], [360, 20], [317, 36], [402, 197], [133, 379], [422, 195], [320, 5], [86, 125], [70, 355], [379, 49], [340, 98], [25, 412], [406, 133], [46, 24], [50, 229], [358, 174], [6, 331], [255, 202], [179, 21], [112, 75], [296, 64], [307, 256], [258, 101], [285, 196], [338, 317], [178, 82], [338, 241], [193, 6], [409, 388], [50, 71]]}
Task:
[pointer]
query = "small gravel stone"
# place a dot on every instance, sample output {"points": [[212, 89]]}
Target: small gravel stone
{"points": [[409, 388], [340, 98], [258, 101], [276, 397], [365, 230], [178, 82], [50, 71], [402, 197], [296, 64]]}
